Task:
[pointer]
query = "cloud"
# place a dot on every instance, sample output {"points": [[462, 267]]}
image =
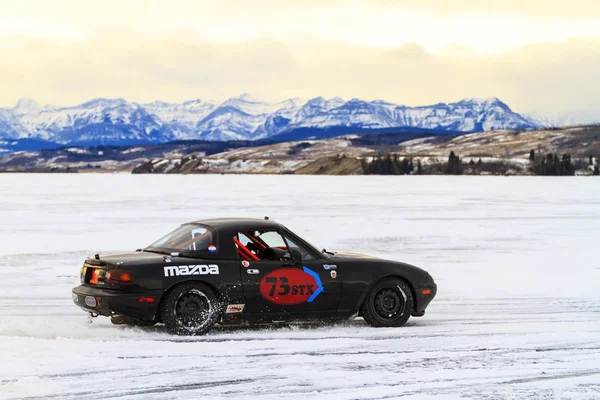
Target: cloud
{"points": [[485, 26], [115, 64], [551, 77], [533, 8]]}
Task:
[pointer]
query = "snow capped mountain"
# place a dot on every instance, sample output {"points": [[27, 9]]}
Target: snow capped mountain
{"points": [[571, 118], [98, 121], [26, 106], [467, 115], [9, 125], [354, 112], [182, 118], [243, 118], [117, 121]]}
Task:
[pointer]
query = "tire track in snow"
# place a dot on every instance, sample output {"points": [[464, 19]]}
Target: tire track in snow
{"points": [[140, 391]]}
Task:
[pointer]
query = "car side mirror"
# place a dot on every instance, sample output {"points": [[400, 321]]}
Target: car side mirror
{"points": [[296, 256]]}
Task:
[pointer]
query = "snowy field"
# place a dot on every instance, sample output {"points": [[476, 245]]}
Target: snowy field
{"points": [[517, 262]]}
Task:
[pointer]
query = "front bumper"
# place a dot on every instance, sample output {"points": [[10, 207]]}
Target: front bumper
{"points": [[111, 302], [423, 296]]}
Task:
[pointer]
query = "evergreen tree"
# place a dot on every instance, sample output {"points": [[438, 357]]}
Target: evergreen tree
{"points": [[532, 155], [567, 168], [453, 167], [596, 169], [450, 166], [591, 160], [420, 168], [405, 167], [554, 165]]}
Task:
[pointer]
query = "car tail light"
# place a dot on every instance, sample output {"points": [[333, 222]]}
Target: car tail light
{"points": [[118, 277], [146, 299], [94, 277]]}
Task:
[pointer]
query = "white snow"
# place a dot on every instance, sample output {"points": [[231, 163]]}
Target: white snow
{"points": [[133, 150], [78, 150], [515, 259]]}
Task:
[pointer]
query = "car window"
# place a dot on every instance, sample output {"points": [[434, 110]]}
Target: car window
{"points": [[272, 239], [245, 240], [186, 237], [261, 245], [306, 255]]}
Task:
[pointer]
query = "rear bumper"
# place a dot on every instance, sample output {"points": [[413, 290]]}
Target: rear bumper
{"points": [[110, 302], [423, 297]]}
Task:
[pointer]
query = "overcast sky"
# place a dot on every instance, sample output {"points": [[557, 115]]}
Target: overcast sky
{"points": [[535, 55]]}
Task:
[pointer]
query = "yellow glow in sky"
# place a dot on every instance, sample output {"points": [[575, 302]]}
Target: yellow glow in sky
{"points": [[172, 50]]}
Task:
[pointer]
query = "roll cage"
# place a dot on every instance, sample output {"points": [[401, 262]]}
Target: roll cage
{"points": [[257, 249]]}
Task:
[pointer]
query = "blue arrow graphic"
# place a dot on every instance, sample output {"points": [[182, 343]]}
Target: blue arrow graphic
{"points": [[319, 284]]}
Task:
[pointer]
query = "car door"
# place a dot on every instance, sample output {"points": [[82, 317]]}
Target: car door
{"points": [[282, 286]]}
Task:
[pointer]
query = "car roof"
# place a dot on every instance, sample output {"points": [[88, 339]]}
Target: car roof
{"points": [[238, 223]]}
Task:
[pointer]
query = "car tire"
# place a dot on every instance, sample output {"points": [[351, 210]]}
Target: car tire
{"points": [[388, 303], [190, 309]]}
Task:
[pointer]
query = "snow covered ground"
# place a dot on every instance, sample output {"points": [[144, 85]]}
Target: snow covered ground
{"points": [[516, 259]]}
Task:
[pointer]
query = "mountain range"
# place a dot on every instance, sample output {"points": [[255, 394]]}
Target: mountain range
{"points": [[120, 122]]}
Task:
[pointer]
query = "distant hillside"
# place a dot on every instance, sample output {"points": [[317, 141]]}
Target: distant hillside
{"points": [[120, 122], [579, 141], [341, 155]]}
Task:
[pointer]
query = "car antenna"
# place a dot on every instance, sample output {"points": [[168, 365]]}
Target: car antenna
{"points": [[266, 218]]}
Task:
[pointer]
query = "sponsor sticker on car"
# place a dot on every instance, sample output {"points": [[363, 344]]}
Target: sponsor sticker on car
{"points": [[234, 308]]}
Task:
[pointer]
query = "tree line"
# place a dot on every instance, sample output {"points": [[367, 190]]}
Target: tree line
{"points": [[391, 165], [549, 165]]}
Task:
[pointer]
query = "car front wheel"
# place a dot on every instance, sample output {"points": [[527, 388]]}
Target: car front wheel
{"points": [[388, 303], [190, 309]]}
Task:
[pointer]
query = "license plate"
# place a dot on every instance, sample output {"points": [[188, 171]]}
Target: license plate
{"points": [[90, 301]]}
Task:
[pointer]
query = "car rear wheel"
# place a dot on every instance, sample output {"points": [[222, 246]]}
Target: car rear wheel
{"points": [[190, 309], [388, 303]]}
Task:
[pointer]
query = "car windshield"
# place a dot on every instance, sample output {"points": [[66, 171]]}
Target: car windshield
{"points": [[186, 238]]}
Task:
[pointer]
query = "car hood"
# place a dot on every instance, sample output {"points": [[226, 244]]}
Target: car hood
{"points": [[347, 254]]}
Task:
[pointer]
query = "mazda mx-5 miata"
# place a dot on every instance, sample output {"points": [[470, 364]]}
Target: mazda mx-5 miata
{"points": [[235, 270]]}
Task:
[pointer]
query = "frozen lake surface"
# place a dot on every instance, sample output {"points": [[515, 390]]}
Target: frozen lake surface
{"points": [[516, 260]]}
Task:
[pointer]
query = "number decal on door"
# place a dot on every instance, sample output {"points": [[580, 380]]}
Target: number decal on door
{"points": [[283, 285], [288, 286]]}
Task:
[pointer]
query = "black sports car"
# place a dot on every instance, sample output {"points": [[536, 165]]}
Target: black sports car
{"points": [[235, 270]]}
